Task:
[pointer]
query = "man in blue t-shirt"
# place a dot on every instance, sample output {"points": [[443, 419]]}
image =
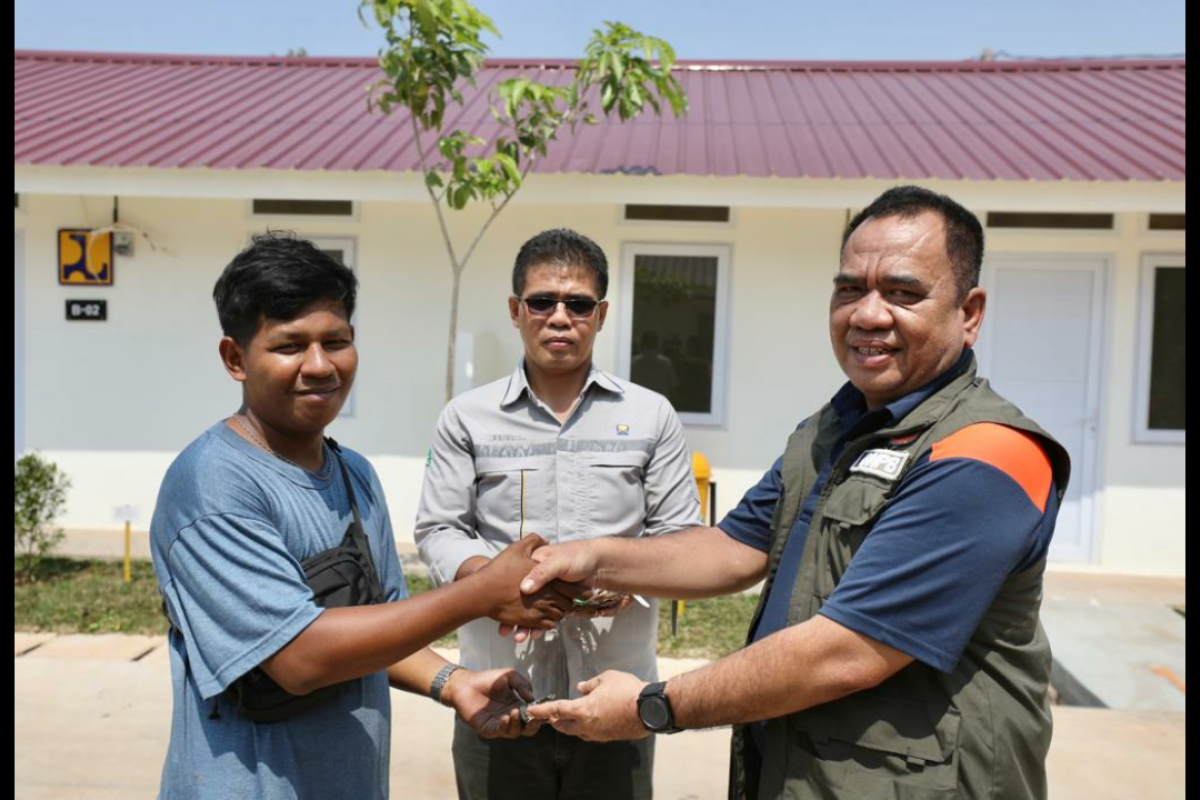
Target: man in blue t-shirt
{"points": [[245, 504], [881, 560]]}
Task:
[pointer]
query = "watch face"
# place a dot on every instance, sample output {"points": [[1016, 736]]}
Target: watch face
{"points": [[654, 713]]}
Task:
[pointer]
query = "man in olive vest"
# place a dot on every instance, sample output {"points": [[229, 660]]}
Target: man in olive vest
{"points": [[896, 651]]}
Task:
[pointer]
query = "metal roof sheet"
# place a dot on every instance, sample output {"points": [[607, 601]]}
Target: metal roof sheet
{"points": [[1028, 120]]}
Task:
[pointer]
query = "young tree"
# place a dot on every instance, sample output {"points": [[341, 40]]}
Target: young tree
{"points": [[435, 46]]}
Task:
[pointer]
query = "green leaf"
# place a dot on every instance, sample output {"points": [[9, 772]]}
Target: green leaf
{"points": [[618, 67], [509, 165]]}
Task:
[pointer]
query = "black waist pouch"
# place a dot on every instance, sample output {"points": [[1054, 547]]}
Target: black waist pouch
{"points": [[340, 577]]}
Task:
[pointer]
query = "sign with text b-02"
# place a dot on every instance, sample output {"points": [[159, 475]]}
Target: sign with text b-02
{"points": [[84, 259], [87, 310]]}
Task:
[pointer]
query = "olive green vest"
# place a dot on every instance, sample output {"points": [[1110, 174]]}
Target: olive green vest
{"points": [[981, 731]]}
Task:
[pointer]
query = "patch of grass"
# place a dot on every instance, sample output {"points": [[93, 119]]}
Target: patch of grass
{"points": [[75, 596], [707, 628], [90, 596]]}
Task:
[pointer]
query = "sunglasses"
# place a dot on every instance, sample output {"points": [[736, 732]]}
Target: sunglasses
{"points": [[577, 307]]}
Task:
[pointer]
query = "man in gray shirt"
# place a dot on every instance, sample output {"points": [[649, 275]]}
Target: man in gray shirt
{"points": [[566, 451]]}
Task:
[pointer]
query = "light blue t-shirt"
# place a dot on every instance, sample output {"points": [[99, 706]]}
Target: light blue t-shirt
{"points": [[231, 527]]}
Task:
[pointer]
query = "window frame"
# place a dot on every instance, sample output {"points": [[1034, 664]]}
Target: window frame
{"points": [[718, 417], [1143, 433]]}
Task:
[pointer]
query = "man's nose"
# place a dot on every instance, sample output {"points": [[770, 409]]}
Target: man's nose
{"points": [[316, 361], [871, 313], [559, 317]]}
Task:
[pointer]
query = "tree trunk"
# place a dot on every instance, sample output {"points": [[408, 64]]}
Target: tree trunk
{"points": [[452, 345]]}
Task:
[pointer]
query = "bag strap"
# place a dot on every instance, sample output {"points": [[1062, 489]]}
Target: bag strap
{"points": [[357, 532], [337, 448]]}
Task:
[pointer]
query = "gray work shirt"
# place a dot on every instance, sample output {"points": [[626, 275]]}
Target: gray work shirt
{"points": [[502, 466]]}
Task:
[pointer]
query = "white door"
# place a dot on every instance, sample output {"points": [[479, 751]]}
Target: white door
{"points": [[1040, 347], [18, 344]]}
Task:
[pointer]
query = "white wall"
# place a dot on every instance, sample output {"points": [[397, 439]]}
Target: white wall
{"points": [[1141, 488], [113, 402]]}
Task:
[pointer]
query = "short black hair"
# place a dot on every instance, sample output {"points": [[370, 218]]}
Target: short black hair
{"points": [[964, 233], [561, 246], [277, 277]]}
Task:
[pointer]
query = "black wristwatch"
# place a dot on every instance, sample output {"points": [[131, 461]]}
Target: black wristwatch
{"points": [[654, 709]]}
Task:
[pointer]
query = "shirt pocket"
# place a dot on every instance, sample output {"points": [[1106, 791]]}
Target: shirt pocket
{"points": [[616, 492], [511, 495]]}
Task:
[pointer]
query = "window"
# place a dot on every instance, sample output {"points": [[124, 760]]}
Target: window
{"points": [[1033, 220], [303, 208], [1162, 361], [644, 213], [1167, 222], [674, 320]]}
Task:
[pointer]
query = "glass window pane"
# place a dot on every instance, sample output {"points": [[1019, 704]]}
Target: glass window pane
{"points": [[1168, 362], [674, 327]]}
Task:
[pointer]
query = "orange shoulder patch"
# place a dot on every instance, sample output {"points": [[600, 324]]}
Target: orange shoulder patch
{"points": [[1017, 454]]}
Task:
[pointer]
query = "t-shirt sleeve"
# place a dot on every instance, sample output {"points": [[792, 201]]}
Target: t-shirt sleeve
{"points": [[750, 522], [237, 595], [963, 520]]}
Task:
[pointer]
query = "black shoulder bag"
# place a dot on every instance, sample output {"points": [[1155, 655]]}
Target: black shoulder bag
{"points": [[339, 577]]}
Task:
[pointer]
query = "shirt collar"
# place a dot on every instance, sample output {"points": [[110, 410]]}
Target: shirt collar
{"points": [[851, 405], [518, 384]]}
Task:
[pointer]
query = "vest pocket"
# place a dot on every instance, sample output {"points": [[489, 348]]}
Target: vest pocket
{"points": [[847, 517], [857, 500], [881, 749]]}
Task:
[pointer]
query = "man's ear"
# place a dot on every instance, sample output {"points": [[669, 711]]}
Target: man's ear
{"points": [[233, 358], [514, 311], [601, 313], [973, 310]]}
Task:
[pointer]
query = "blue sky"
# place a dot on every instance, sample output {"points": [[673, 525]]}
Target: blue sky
{"points": [[703, 29]]}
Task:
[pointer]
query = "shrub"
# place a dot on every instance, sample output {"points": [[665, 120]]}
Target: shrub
{"points": [[39, 495]]}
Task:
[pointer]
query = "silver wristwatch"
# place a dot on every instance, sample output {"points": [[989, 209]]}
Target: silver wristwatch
{"points": [[439, 681]]}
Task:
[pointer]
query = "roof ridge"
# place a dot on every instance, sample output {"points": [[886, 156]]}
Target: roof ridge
{"points": [[701, 65]]}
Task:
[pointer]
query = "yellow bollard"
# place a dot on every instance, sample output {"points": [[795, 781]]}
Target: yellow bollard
{"points": [[128, 570]]}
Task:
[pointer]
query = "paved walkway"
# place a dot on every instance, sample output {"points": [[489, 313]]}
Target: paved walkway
{"points": [[1118, 641], [92, 712]]}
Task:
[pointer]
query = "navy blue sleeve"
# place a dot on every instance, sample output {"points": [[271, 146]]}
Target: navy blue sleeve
{"points": [[930, 568], [750, 522]]}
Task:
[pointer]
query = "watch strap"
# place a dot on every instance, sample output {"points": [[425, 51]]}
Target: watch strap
{"points": [[440, 680]]}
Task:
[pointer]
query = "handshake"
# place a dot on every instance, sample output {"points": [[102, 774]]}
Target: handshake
{"points": [[535, 586]]}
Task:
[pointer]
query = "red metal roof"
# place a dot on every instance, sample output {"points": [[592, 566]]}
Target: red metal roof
{"points": [[1025, 120]]}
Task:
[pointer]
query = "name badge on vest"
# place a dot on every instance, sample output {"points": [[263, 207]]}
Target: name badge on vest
{"points": [[886, 464]]}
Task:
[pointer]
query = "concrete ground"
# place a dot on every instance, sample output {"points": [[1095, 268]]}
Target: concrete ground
{"points": [[92, 712], [1118, 641], [91, 723]]}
